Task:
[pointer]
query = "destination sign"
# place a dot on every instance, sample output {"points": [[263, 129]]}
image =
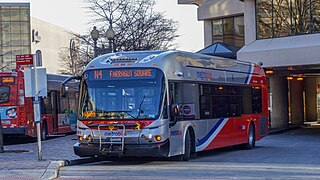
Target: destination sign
{"points": [[7, 80], [117, 74]]}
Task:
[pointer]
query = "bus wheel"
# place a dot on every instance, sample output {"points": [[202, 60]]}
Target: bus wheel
{"points": [[44, 131], [187, 147], [251, 138]]}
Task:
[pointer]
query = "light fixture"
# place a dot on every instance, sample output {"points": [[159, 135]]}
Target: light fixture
{"points": [[94, 34], [269, 71]]}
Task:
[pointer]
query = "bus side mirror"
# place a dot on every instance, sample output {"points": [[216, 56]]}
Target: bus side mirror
{"points": [[63, 88], [63, 91], [175, 114]]}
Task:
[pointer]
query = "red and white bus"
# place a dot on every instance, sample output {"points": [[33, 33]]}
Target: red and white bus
{"points": [[58, 114], [169, 103]]}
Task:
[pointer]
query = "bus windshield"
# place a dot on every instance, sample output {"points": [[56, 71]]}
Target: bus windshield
{"points": [[125, 97], [4, 94]]}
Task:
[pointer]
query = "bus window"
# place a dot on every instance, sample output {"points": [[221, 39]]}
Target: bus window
{"points": [[218, 101], [246, 102], [46, 106], [206, 101], [234, 99], [64, 105], [186, 95], [206, 106], [165, 108], [4, 94], [256, 100]]}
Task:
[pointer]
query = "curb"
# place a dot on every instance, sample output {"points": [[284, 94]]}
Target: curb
{"points": [[52, 170], [84, 161]]}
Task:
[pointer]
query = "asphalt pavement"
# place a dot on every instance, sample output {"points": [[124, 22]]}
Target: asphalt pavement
{"points": [[21, 161]]}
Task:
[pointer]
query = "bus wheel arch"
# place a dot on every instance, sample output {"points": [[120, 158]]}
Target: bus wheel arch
{"points": [[189, 144], [44, 130], [251, 141]]}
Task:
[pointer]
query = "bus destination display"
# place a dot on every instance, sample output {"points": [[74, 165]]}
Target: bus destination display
{"points": [[116, 74], [7, 80]]}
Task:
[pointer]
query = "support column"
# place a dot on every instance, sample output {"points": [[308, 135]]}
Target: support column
{"points": [[279, 111], [311, 99], [296, 102]]}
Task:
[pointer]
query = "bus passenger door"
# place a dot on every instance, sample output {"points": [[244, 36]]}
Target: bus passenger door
{"points": [[54, 101], [186, 96]]}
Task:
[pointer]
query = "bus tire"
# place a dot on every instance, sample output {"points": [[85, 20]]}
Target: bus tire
{"points": [[251, 138], [44, 131], [187, 147]]}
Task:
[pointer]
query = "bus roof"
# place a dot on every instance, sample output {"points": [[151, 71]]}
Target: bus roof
{"points": [[177, 64]]}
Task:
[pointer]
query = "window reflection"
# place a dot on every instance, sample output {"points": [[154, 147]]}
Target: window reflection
{"points": [[228, 30], [280, 18], [14, 34]]}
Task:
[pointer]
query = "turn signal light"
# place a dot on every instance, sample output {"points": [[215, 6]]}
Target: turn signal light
{"points": [[80, 138], [157, 138], [88, 138]]}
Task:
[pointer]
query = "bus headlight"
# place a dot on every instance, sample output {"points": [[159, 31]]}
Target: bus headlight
{"points": [[157, 138], [85, 138]]}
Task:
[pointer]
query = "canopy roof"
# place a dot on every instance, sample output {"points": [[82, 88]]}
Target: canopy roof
{"points": [[221, 49]]}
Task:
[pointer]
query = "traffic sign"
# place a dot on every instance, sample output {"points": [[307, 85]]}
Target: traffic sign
{"points": [[24, 59]]}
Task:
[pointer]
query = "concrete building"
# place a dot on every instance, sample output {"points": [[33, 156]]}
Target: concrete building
{"points": [[284, 36], [22, 34]]}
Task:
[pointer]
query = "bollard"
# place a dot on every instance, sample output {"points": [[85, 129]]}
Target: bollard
{"points": [[1, 138]]}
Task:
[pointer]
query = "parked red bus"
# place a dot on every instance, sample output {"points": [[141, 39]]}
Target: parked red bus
{"points": [[58, 114], [169, 103]]}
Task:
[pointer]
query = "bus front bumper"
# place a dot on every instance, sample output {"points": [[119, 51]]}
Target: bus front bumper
{"points": [[138, 150], [14, 131]]}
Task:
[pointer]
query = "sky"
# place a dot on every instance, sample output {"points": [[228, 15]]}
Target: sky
{"points": [[72, 15]]}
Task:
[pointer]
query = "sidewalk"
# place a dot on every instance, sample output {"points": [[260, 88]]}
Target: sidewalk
{"points": [[21, 161]]}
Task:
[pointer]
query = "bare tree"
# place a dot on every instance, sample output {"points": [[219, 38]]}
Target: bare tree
{"points": [[287, 17], [73, 60], [137, 26]]}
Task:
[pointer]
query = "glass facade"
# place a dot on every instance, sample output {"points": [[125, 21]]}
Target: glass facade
{"points": [[279, 18], [14, 33], [228, 30]]}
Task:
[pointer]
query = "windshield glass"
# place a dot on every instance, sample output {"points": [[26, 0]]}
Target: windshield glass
{"points": [[4, 94], [121, 94]]}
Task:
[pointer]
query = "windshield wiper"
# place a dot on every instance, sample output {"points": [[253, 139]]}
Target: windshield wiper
{"points": [[123, 111], [144, 96]]}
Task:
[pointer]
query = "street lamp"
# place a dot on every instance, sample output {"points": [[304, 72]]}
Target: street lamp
{"points": [[95, 35], [110, 36]]}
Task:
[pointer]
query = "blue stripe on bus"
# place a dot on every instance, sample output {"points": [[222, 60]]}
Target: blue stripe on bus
{"points": [[249, 74], [215, 127]]}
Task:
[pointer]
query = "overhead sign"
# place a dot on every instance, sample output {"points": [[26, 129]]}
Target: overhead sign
{"points": [[24, 59]]}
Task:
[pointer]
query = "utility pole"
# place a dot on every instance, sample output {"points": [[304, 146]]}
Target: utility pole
{"points": [[1, 138]]}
